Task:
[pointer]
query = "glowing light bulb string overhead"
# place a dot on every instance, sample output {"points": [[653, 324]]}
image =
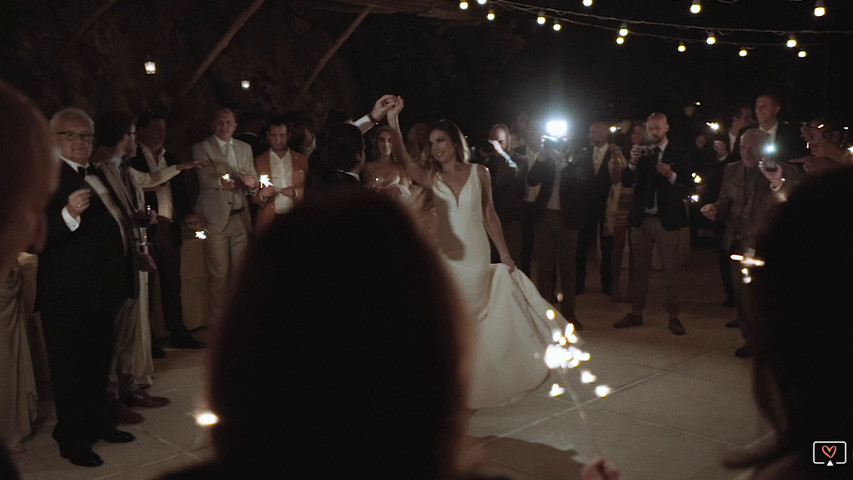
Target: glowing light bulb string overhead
{"points": [[613, 24]]}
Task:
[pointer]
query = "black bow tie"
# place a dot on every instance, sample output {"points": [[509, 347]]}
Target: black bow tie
{"points": [[83, 171]]}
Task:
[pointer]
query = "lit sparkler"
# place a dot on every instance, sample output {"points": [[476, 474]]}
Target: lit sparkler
{"points": [[226, 177], [200, 234], [206, 419], [747, 260], [264, 180]]}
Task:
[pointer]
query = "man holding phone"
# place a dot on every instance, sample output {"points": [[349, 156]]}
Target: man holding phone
{"points": [[661, 180], [748, 191]]}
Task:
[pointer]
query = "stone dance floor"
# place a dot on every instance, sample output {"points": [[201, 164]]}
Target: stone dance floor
{"points": [[677, 406]]}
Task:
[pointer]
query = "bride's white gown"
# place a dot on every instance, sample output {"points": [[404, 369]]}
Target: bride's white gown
{"points": [[510, 315]]}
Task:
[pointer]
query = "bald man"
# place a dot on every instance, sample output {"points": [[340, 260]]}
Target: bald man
{"points": [[661, 181], [746, 195]]}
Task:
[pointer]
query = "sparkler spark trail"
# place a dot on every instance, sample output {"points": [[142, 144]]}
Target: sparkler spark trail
{"points": [[264, 180]]}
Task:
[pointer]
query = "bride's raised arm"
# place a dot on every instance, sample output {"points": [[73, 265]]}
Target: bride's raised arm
{"points": [[415, 171]]}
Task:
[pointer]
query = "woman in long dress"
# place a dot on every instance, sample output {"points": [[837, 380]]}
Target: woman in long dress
{"points": [[510, 315]]}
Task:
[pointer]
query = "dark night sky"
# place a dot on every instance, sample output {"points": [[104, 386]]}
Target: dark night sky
{"points": [[581, 72]]}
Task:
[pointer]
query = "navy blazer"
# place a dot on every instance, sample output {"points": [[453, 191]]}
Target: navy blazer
{"points": [[671, 209]]}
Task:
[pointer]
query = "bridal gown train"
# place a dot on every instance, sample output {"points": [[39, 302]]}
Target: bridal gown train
{"points": [[510, 315]]}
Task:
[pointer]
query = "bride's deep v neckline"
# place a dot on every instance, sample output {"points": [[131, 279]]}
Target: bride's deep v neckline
{"points": [[457, 196]]}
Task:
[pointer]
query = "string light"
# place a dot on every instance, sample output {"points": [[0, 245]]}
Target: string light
{"points": [[556, 26], [802, 54], [541, 18], [819, 8], [681, 47], [792, 42], [711, 38], [482, 2], [623, 30], [587, 3], [620, 40], [491, 15], [245, 84], [463, 5], [743, 52], [695, 7], [150, 67]]}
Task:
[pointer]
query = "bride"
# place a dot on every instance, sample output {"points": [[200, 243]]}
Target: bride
{"points": [[509, 312]]}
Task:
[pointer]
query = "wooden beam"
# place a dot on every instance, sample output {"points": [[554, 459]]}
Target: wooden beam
{"points": [[226, 39], [334, 48], [57, 61]]}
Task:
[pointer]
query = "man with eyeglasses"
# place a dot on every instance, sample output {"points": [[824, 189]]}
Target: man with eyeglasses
{"points": [[85, 274], [131, 351]]}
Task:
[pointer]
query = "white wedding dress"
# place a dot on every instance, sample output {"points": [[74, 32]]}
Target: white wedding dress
{"points": [[511, 324]]}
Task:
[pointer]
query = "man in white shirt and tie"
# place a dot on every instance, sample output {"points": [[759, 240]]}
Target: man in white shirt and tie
{"points": [[222, 203]]}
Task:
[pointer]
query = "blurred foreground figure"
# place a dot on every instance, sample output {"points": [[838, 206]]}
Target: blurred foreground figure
{"points": [[30, 176], [377, 382]]}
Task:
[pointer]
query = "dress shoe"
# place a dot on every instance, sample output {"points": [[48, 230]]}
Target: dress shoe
{"points": [[729, 302], [630, 320], [735, 323], [743, 352], [140, 398], [83, 457], [120, 413], [675, 326], [157, 351], [186, 340], [113, 435]]}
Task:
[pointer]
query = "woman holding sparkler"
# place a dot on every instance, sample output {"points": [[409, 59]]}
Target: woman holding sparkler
{"points": [[510, 315]]}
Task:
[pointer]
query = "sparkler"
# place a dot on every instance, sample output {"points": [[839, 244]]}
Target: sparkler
{"points": [[264, 180], [747, 260], [206, 419], [226, 177], [200, 234]]}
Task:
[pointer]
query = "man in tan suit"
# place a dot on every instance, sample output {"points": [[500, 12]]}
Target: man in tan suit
{"points": [[222, 204], [747, 193], [285, 171]]}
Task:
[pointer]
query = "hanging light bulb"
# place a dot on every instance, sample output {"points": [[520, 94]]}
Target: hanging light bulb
{"points": [[792, 42], [587, 3], [743, 52], [711, 38], [819, 8], [541, 18], [681, 47], [245, 84], [623, 30], [620, 40], [695, 7], [556, 26], [802, 54], [482, 2], [150, 67], [463, 5]]}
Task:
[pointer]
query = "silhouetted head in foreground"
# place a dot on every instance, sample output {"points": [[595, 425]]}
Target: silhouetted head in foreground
{"points": [[341, 353]]}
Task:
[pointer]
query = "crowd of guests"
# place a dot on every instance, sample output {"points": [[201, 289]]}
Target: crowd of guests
{"points": [[117, 214]]}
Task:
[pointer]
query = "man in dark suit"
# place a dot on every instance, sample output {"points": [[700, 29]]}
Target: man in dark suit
{"points": [[85, 273], [596, 163], [171, 202], [786, 138], [559, 214], [748, 192], [507, 188], [661, 180]]}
